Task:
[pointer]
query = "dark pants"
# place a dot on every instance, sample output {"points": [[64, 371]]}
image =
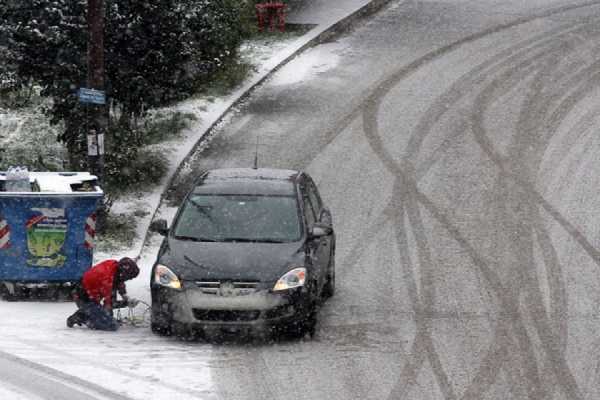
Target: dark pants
{"points": [[93, 315]]}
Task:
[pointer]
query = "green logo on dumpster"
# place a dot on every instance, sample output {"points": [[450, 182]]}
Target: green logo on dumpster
{"points": [[46, 234]]}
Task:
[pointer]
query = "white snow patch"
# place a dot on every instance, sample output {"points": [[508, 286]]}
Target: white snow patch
{"points": [[26, 134], [8, 391], [58, 182], [310, 63], [132, 361]]}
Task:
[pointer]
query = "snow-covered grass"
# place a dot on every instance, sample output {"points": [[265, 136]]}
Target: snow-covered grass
{"points": [[27, 138], [8, 391]]}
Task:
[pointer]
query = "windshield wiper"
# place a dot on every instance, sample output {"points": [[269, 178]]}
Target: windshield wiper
{"points": [[195, 239], [203, 209], [247, 240], [229, 239]]}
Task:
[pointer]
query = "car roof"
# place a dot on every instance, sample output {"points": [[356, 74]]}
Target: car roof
{"points": [[261, 181]]}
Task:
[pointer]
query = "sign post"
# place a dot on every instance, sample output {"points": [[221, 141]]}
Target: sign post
{"points": [[92, 96], [95, 144]]}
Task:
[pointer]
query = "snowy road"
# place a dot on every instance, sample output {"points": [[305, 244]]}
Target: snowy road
{"points": [[456, 144], [131, 364], [22, 379]]}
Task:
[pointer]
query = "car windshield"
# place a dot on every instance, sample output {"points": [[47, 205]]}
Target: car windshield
{"points": [[239, 218]]}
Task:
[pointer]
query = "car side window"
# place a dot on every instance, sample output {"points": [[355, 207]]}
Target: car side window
{"points": [[314, 197], [309, 209]]}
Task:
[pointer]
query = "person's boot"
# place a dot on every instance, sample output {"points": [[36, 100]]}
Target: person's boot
{"points": [[71, 321], [75, 319]]}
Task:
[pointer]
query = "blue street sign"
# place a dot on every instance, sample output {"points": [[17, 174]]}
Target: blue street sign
{"points": [[92, 96]]}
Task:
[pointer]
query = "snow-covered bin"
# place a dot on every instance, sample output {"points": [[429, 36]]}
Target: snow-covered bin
{"points": [[47, 233]]}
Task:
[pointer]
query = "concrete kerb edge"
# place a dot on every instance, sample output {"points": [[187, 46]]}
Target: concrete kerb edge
{"points": [[308, 40], [347, 22]]}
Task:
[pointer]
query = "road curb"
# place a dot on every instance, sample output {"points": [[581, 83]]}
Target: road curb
{"points": [[348, 21], [312, 38]]}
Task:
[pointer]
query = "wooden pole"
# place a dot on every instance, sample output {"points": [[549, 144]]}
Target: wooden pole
{"points": [[95, 78]]}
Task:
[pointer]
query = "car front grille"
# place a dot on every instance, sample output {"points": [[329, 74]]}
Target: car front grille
{"points": [[226, 315], [228, 288]]}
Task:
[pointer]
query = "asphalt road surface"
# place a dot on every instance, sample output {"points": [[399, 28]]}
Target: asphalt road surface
{"points": [[457, 144]]}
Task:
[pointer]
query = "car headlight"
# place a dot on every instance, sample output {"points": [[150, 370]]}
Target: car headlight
{"points": [[292, 279], [165, 277]]}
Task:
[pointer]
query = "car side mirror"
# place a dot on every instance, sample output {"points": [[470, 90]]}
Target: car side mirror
{"points": [[320, 229], [159, 226], [325, 217]]}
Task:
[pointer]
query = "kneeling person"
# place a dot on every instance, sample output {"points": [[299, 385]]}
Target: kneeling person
{"points": [[97, 294]]}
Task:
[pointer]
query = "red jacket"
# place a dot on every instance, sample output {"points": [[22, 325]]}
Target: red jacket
{"points": [[100, 282]]}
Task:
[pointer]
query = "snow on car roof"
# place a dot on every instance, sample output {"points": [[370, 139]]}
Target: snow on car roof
{"points": [[263, 181], [260, 173], [59, 182]]}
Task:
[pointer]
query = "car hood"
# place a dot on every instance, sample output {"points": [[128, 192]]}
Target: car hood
{"points": [[265, 262]]}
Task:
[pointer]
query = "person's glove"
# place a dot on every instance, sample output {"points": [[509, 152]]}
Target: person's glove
{"points": [[131, 302]]}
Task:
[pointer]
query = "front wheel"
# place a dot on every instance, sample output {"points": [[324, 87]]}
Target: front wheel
{"points": [[307, 325], [159, 329], [159, 326]]}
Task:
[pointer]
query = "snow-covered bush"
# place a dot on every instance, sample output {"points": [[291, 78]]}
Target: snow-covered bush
{"points": [[27, 139], [155, 52]]}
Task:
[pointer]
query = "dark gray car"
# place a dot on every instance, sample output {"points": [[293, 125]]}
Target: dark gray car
{"points": [[248, 248]]}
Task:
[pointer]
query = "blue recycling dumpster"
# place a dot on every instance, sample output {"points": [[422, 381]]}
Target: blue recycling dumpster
{"points": [[47, 234]]}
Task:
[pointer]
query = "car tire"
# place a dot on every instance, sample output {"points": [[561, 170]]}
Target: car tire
{"points": [[159, 329], [159, 326], [307, 325], [329, 287]]}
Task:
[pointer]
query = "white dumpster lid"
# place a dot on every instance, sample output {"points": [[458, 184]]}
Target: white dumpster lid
{"points": [[60, 182]]}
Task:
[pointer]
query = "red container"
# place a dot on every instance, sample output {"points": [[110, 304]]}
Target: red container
{"points": [[272, 13]]}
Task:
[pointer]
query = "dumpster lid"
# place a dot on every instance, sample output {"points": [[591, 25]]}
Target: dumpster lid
{"points": [[59, 182]]}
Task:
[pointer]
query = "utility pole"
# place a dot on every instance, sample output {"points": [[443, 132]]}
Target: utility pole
{"points": [[98, 116], [95, 99]]}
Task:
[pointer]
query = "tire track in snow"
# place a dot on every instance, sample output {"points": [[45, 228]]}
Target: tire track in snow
{"points": [[517, 216], [503, 333], [358, 112], [418, 347], [371, 128], [553, 341], [434, 114]]}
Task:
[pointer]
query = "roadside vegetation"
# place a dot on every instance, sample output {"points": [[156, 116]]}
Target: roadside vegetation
{"points": [[119, 232], [156, 54]]}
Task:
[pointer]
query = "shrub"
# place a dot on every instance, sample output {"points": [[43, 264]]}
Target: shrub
{"points": [[27, 139], [155, 52], [129, 167], [160, 126], [118, 231]]}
